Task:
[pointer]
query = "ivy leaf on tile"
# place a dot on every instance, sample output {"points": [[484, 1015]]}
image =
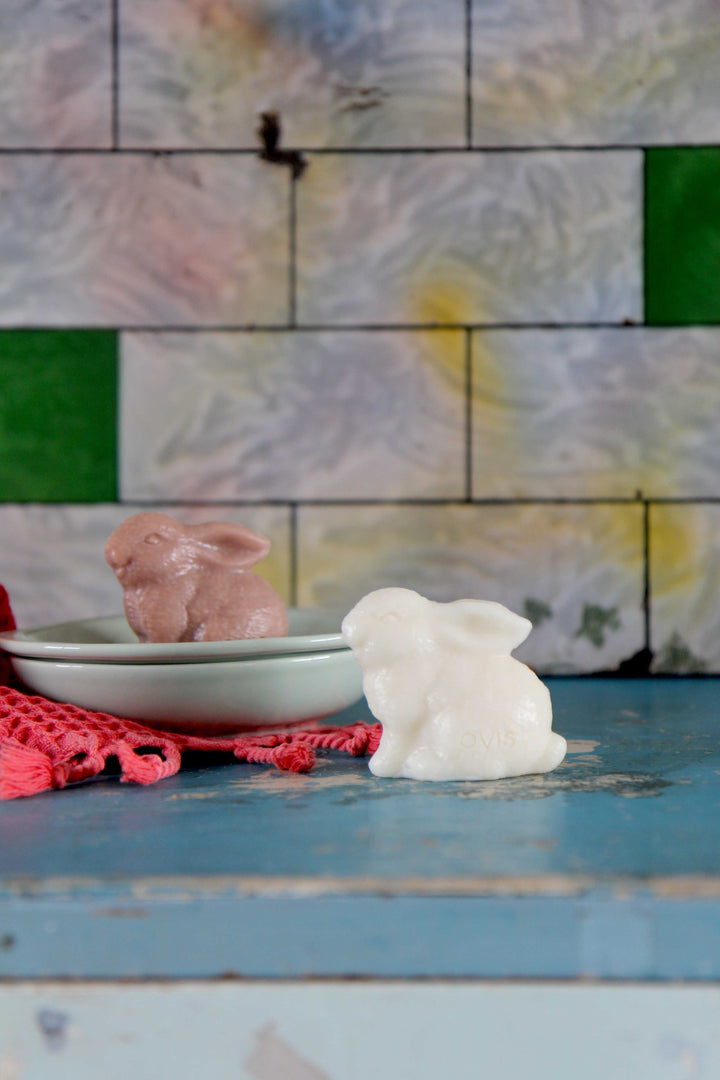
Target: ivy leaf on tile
{"points": [[596, 620], [677, 658], [537, 611]]}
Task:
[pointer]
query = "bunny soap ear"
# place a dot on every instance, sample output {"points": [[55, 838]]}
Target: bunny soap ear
{"points": [[485, 620], [230, 545]]}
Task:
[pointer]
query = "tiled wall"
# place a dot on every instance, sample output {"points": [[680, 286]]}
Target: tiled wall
{"points": [[473, 347]]}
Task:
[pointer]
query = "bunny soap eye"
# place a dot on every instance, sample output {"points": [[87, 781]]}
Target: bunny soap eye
{"points": [[194, 582], [453, 703], [390, 617]]}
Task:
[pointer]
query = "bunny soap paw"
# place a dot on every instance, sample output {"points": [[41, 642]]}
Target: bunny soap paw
{"points": [[452, 701], [193, 582]]}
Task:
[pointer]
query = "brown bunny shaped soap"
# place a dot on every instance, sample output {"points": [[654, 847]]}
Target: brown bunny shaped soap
{"points": [[193, 582]]}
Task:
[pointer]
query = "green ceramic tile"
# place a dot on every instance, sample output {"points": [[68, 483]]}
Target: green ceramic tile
{"points": [[58, 402], [682, 236]]}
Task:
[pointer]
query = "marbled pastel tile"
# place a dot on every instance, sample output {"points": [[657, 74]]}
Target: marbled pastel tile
{"points": [[576, 571], [375, 73], [52, 557], [55, 73], [592, 73], [685, 587], [598, 413], [273, 415], [483, 238], [126, 239]]}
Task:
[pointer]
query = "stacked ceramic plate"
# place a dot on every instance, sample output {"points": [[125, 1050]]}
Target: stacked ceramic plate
{"points": [[213, 687]]}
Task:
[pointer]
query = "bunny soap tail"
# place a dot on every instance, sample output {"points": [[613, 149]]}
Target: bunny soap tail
{"points": [[553, 754]]}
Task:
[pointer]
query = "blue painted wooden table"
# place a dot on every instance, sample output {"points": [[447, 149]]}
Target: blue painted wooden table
{"points": [[607, 869], [609, 866]]}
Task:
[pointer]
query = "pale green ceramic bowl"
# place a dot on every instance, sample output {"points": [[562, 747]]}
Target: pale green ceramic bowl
{"points": [[221, 697], [217, 688]]}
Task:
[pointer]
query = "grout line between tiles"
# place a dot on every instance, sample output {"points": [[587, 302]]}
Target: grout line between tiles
{"points": [[310, 327], [292, 255], [468, 417], [293, 554], [510, 500], [482, 148], [468, 76], [363, 151], [119, 410], [644, 232], [115, 68], [646, 574]]}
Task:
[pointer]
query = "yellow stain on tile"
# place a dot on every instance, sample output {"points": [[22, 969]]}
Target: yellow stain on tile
{"points": [[502, 405], [675, 549], [445, 351], [445, 305], [495, 381], [622, 537], [276, 570], [447, 552], [568, 537], [441, 302]]}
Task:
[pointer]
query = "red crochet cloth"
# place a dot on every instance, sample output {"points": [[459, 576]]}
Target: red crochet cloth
{"points": [[46, 745]]}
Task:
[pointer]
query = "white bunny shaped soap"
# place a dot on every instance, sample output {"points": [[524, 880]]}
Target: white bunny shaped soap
{"points": [[452, 701]]}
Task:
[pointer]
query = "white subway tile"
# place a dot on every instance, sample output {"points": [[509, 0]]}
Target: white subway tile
{"points": [[576, 571], [573, 72], [292, 415], [685, 588], [55, 73], [127, 239], [578, 413], [480, 238], [377, 73]]}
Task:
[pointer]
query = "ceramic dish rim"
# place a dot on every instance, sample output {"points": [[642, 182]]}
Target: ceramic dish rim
{"points": [[22, 643], [248, 666]]}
